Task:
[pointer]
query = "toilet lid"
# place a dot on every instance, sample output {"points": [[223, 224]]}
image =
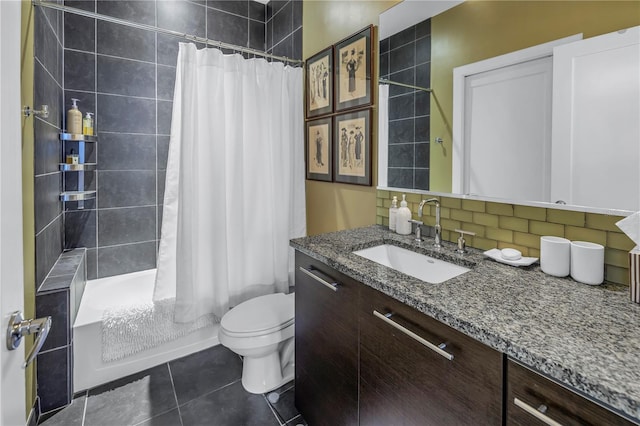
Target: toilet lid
{"points": [[260, 315]]}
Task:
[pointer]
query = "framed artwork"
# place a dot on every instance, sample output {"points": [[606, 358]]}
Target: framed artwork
{"points": [[319, 77], [353, 69], [319, 148], [352, 147]]}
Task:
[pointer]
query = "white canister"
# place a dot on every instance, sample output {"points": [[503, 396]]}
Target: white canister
{"points": [[555, 256], [587, 262]]}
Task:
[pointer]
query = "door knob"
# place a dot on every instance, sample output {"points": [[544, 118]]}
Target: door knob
{"points": [[18, 328]]}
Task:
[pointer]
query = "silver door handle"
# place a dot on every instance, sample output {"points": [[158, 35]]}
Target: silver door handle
{"points": [[333, 286], [18, 328], [539, 414], [436, 348]]}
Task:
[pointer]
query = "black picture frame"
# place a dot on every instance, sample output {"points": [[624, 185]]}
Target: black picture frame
{"points": [[353, 64], [319, 161], [352, 147], [319, 84]]}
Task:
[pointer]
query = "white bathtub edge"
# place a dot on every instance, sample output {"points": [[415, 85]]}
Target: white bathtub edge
{"points": [[90, 371]]}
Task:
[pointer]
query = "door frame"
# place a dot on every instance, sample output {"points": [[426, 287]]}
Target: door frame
{"points": [[12, 376], [459, 96]]}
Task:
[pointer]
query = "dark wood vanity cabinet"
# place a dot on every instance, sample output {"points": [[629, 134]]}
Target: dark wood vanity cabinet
{"points": [[326, 338], [415, 370], [532, 399], [365, 358]]}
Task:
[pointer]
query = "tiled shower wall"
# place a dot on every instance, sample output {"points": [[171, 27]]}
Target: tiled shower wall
{"points": [[126, 76], [501, 225], [405, 57], [284, 28], [48, 179]]}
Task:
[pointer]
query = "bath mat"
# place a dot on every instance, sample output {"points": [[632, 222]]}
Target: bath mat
{"points": [[132, 329]]}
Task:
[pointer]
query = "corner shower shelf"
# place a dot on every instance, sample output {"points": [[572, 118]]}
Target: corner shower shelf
{"points": [[80, 168], [77, 195], [84, 167], [77, 138]]}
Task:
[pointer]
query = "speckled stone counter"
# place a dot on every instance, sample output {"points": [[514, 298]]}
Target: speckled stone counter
{"points": [[587, 337]]}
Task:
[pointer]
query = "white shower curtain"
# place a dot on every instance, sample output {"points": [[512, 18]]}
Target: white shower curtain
{"points": [[234, 192]]}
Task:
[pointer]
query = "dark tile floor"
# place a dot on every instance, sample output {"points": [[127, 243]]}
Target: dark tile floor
{"points": [[200, 389]]}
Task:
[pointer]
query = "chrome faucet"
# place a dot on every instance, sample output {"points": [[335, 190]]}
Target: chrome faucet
{"points": [[438, 228]]}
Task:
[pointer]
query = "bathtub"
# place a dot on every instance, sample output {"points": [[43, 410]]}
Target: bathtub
{"points": [[120, 291]]}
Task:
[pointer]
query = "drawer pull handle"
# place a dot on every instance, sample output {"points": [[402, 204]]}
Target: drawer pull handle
{"points": [[537, 413], [436, 348], [333, 286]]}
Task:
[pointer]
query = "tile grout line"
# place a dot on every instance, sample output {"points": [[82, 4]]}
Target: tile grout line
{"points": [[273, 411], [84, 409], [175, 395], [210, 392]]}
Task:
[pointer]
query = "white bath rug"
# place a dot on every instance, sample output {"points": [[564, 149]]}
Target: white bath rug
{"points": [[132, 329]]}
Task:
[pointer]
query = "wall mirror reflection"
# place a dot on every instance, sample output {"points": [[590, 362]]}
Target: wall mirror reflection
{"points": [[534, 102]]}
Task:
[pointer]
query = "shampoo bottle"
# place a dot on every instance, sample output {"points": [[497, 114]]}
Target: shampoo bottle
{"points": [[403, 226], [393, 211], [74, 119], [87, 124]]}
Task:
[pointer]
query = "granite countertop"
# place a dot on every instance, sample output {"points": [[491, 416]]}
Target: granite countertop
{"points": [[587, 337]]}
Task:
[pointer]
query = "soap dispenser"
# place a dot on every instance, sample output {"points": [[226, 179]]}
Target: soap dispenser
{"points": [[403, 226], [87, 124], [74, 119], [393, 212]]}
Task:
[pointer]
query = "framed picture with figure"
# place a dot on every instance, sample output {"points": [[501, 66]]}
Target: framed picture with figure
{"points": [[353, 69], [352, 147], [319, 148], [319, 83]]}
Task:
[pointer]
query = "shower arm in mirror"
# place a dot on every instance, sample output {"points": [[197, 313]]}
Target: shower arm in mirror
{"points": [[410, 86]]}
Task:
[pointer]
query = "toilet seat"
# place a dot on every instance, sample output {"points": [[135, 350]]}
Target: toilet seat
{"points": [[259, 316]]}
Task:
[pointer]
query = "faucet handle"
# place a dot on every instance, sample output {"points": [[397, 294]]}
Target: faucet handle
{"points": [[462, 248], [418, 229]]}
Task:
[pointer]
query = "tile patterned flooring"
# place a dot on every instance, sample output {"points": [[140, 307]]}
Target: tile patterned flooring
{"points": [[200, 389]]}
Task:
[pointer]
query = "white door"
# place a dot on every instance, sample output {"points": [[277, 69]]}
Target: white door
{"points": [[12, 378], [596, 121], [507, 131]]}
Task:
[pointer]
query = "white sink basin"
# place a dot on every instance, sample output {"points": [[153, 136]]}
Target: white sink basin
{"points": [[417, 265]]}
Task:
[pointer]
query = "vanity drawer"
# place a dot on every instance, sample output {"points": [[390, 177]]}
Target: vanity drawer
{"points": [[404, 371], [532, 399]]}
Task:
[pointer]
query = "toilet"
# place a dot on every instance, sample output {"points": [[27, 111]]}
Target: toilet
{"points": [[261, 331]]}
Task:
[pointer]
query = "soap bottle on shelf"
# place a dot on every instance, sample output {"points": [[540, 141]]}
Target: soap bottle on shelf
{"points": [[87, 124], [393, 212], [74, 119], [403, 226], [72, 158]]}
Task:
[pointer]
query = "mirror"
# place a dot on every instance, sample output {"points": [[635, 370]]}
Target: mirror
{"points": [[476, 31]]}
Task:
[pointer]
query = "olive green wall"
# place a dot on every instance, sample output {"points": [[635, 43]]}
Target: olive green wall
{"points": [[470, 32], [335, 206], [28, 220], [477, 30]]}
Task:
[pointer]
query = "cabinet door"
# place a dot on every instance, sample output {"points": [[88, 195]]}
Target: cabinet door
{"points": [[326, 337], [404, 381], [535, 400]]}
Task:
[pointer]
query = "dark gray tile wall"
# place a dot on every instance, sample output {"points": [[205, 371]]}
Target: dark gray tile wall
{"points": [[126, 76], [284, 28], [59, 297], [405, 57], [48, 178]]}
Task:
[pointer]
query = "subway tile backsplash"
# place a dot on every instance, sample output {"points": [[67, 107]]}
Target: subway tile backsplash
{"points": [[502, 225]]}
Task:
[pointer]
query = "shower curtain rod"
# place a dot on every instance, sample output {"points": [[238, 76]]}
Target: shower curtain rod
{"points": [[190, 37], [395, 83]]}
